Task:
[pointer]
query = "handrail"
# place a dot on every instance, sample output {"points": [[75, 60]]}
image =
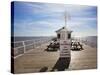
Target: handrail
{"points": [[25, 44]]}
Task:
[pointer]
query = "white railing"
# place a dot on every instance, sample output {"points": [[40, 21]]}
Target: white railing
{"points": [[21, 47]]}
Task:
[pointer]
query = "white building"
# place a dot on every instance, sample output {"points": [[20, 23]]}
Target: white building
{"points": [[63, 34]]}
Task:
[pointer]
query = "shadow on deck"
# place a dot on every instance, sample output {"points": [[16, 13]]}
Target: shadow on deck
{"points": [[44, 69], [61, 64]]}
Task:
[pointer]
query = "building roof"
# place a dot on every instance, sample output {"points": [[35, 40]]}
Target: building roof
{"points": [[62, 29]]}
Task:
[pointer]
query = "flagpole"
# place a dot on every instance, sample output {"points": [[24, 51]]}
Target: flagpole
{"points": [[65, 22], [65, 18]]}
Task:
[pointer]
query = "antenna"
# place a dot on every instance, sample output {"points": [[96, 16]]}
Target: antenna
{"points": [[65, 16]]}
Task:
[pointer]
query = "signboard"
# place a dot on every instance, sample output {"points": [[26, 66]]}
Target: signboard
{"points": [[65, 46]]}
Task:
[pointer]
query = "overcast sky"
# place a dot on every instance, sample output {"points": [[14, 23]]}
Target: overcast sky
{"points": [[43, 19]]}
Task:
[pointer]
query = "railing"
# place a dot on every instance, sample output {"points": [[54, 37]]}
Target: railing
{"points": [[92, 43], [21, 47]]}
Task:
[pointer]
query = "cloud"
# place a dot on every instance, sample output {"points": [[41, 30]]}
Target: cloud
{"points": [[45, 18]]}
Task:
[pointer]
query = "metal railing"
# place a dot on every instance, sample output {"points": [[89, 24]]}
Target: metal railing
{"points": [[20, 47]]}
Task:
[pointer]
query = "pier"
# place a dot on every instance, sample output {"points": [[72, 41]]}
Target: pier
{"points": [[39, 60]]}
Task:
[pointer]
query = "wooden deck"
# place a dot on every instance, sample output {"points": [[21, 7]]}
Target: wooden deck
{"points": [[39, 60]]}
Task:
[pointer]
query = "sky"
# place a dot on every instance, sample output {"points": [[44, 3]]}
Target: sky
{"points": [[43, 19]]}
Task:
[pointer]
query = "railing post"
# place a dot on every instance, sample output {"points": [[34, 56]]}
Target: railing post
{"points": [[24, 47]]}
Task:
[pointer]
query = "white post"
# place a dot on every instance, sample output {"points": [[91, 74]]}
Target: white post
{"points": [[24, 47]]}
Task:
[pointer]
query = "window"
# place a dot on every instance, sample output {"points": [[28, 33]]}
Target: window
{"points": [[69, 36], [58, 35]]}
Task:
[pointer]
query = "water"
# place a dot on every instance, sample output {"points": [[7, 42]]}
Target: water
{"points": [[89, 40], [18, 41]]}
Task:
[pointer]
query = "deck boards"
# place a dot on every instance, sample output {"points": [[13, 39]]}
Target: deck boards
{"points": [[38, 59]]}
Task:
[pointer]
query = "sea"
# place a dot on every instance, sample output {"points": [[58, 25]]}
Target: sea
{"points": [[88, 40], [18, 41], [24, 38]]}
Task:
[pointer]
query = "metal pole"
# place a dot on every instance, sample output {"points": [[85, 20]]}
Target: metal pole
{"points": [[24, 47], [65, 18], [65, 24]]}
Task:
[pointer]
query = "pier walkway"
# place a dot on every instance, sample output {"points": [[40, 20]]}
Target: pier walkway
{"points": [[39, 60]]}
